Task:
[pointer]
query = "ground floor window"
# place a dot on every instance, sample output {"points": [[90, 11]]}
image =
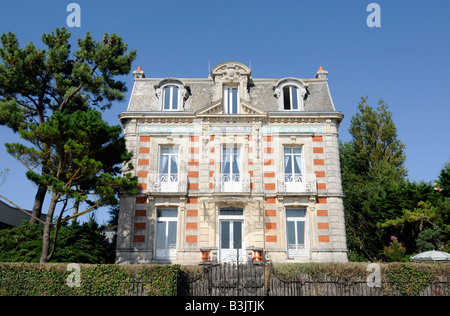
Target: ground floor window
{"points": [[166, 233], [297, 233]]}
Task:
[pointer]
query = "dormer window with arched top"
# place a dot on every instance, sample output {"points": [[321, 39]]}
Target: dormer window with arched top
{"points": [[171, 98], [290, 93], [172, 94]]}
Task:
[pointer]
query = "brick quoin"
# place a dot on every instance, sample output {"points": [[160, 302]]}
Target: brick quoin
{"points": [[143, 162], [192, 213], [144, 150], [141, 200], [193, 150], [319, 162], [271, 213], [270, 200], [320, 174], [323, 226], [139, 225], [268, 162], [268, 150], [193, 162], [193, 174], [317, 139], [322, 212], [144, 138], [192, 200], [142, 186], [271, 238], [194, 138], [140, 213], [321, 186], [269, 186], [322, 200], [139, 238], [191, 226], [192, 186], [142, 174], [324, 238], [318, 150], [191, 238], [269, 174], [271, 225], [268, 138]]}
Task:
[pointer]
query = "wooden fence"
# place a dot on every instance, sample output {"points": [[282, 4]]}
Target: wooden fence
{"points": [[261, 280]]}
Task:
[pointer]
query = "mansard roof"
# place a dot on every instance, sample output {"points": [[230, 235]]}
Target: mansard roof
{"points": [[260, 93]]}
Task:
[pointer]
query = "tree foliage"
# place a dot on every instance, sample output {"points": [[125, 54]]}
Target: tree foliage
{"points": [[35, 83], [81, 154], [380, 202]]}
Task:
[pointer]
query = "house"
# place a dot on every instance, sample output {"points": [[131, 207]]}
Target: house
{"points": [[14, 217], [232, 166]]}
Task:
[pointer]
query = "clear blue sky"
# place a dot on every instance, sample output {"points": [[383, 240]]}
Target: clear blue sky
{"points": [[404, 62]]}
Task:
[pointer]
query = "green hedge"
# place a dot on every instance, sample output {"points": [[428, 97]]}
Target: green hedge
{"points": [[20, 279]]}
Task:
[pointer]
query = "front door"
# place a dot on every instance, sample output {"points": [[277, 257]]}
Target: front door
{"points": [[231, 240]]}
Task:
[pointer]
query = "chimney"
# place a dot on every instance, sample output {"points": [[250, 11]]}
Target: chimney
{"points": [[139, 73], [321, 74]]}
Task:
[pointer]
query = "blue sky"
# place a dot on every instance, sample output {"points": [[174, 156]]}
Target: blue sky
{"points": [[405, 62]]}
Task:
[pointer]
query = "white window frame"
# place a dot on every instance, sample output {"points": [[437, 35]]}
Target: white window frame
{"points": [[295, 177], [228, 99], [167, 252], [299, 98], [171, 88], [297, 250], [230, 254], [230, 182], [169, 181]]}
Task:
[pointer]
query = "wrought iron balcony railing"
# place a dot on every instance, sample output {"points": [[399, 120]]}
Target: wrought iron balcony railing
{"points": [[167, 183], [297, 183], [223, 183]]}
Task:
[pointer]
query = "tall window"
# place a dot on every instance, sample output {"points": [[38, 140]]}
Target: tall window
{"points": [[296, 231], [230, 100], [166, 233], [291, 99], [169, 164], [171, 100], [231, 164], [293, 164]]}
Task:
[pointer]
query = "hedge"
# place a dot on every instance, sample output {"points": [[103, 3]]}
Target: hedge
{"points": [[33, 279]]}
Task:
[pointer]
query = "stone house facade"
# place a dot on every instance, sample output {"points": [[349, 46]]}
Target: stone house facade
{"points": [[232, 167]]}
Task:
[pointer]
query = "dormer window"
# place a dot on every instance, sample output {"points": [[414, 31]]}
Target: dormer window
{"points": [[290, 93], [171, 98], [172, 94], [230, 100], [291, 98]]}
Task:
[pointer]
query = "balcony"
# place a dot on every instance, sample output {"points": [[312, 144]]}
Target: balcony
{"points": [[232, 183], [167, 183], [297, 183]]}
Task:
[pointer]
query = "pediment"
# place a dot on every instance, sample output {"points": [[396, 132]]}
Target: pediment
{"points": [[216, 108], [231, 70]]}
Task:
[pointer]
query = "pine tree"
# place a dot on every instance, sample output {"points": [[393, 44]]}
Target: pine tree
{"points": [[35, 83], [78, 150]]}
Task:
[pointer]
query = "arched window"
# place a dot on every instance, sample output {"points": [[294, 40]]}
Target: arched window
{"points": [[291, 97], [171, 93], [290, 93], [171, 98]]}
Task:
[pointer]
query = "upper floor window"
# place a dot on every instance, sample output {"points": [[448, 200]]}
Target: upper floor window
{"points": [[169, 164], [230, 100], [171, 98], [293, 164], [291, 98]]}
